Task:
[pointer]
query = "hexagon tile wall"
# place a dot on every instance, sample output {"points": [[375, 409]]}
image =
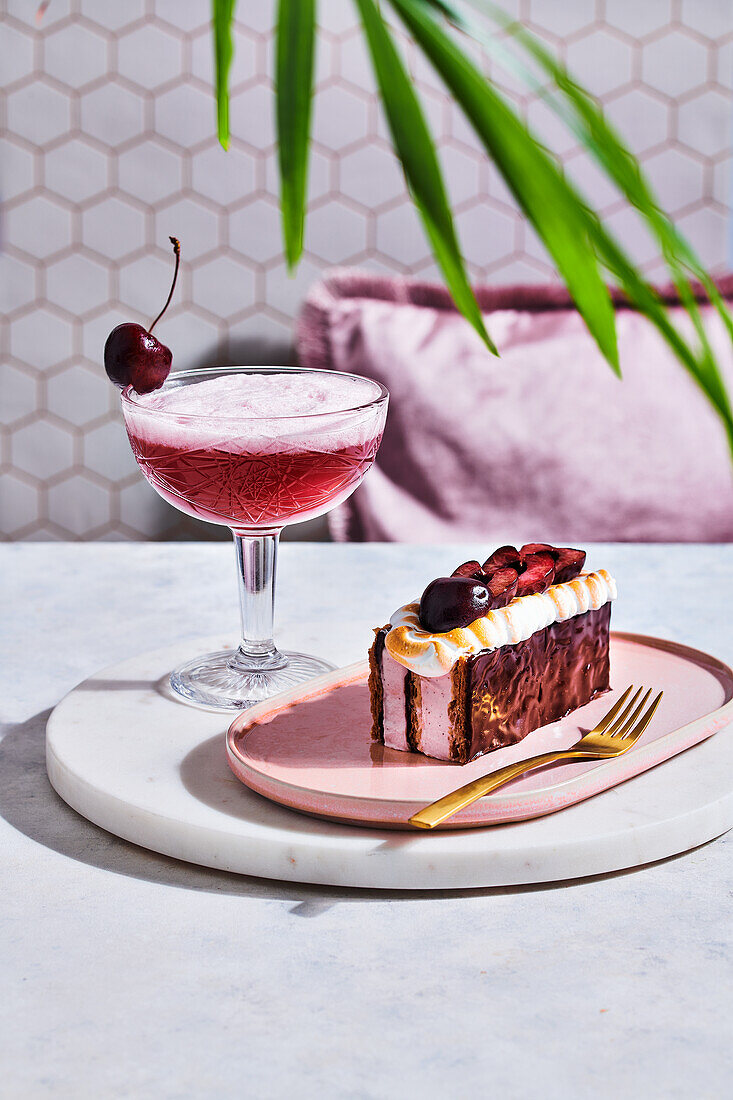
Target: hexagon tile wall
{"points": [[109, 146]]}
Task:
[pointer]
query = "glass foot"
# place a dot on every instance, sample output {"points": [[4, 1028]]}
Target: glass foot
{"points": [[218, 680]]}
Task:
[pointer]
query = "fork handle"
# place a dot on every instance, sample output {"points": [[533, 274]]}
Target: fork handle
{"points": [[450, 804]]}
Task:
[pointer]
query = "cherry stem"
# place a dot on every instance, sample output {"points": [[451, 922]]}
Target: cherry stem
{"points": [[177, 249]]}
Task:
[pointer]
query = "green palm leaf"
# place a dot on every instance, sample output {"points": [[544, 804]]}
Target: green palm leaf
{"points": [[222, 16], [416, 151], [296, 26], [644, 298], [586, 119], [583, 116], [534, 178], [573, 234]]}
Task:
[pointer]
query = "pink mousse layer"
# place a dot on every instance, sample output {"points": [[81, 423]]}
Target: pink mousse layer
{"points": [[393, 683], [434, 720], [433, 724]]}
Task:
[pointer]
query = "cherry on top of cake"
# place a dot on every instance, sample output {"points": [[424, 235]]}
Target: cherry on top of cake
{"points": [[474, 589]]}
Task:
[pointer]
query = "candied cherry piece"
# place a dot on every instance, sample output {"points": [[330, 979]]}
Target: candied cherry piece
{"points": [[502, 585], [536, 548], [469, 569], [538, 575], [568, 563], [133, 356], [449, 602], [504, 556]]}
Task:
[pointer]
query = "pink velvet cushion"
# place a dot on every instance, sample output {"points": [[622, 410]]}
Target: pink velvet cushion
{"points": [[543, 443]]}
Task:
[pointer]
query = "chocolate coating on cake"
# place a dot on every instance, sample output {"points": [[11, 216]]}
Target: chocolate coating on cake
{"points": [[514, 690]]}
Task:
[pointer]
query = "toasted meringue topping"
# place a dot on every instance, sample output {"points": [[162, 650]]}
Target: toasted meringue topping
{"points": [[435, 654]]}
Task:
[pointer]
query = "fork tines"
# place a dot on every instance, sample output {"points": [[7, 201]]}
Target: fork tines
{"points": [[628, 722]]}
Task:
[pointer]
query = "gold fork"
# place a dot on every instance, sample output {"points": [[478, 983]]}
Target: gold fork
{"points": [[614, 735]]}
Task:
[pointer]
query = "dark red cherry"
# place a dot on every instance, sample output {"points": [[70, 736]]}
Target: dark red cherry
{"points": [[538, 575], [133, 356], [568, 563], [449, 602], [502, 585], [503, 557], [468, 569]]}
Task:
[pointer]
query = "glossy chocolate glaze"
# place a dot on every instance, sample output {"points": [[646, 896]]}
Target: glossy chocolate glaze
{"points": [[513, 690]]}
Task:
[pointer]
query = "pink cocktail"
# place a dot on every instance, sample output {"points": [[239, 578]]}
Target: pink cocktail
{"points": [[254, 448]]}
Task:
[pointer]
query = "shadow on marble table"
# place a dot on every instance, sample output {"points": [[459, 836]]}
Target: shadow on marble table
{"points": [[29, 804], [160, 687]]}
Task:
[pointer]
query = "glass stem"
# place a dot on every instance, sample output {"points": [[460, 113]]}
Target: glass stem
{"points": [[256, 566]]}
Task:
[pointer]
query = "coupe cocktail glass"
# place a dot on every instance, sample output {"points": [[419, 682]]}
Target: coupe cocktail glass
{"points": [[217, 458]]}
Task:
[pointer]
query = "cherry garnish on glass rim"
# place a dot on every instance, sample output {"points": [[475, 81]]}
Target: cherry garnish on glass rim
{"points": [[133, 356]]}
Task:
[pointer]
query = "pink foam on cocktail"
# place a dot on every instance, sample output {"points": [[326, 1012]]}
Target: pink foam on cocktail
{"points": [[245, 412]]}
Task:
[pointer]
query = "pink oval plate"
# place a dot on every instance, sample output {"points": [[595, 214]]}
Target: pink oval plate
{"points": [[310, 748]]}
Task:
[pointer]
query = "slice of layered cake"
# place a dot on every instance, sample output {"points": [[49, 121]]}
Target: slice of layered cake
{"points": [[491, 653]]}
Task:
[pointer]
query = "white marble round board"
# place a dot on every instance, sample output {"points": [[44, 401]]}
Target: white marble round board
{"points": [[135, 761]]}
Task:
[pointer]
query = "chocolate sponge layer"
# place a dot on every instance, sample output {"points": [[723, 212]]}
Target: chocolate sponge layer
{"points": [[376, 687]]}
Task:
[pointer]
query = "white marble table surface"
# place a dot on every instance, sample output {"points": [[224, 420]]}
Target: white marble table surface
{"points": [[128, 974]]}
